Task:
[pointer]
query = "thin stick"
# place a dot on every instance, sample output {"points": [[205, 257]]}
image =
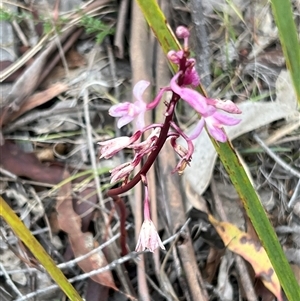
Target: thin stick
{"points": [[276, 158], [295, 197], [9, 281]]}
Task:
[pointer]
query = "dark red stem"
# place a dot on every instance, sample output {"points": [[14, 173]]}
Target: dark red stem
{"points": [[160, 141], [122, 213]]}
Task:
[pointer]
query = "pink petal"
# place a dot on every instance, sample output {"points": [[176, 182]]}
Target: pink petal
{"points": [[225, 105], [119, 109], [157, 99], [197, 129], [139, 107], [223, 119], [139, 89], [124, 120], [140, 121], [148, 238], [216, 133], [121, 171], [192, 97], [191, 77], [172, 56], [175, 56], [111, 147]]}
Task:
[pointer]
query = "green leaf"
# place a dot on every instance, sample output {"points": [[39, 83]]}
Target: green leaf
{"points": [[5, 15], [93, 25], [282, 10], [238, 176], [37, 250]]}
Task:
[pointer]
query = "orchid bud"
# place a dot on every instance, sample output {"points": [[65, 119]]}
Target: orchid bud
{"points": [[182, 32], [175, 56]]}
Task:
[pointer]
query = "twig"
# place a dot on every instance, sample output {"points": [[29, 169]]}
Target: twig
{"points": [[9, 281], [91, 146], [118, 201], [20, 33], [202, 43], [61, 51], [191, 277], [66, 46], [23, 59], [8, 173], [13, 240], [112, 65], [276, 158], [119, 36], [295, 197]]}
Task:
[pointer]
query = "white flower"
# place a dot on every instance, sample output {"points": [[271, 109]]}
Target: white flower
{"points": [[148, 238]]}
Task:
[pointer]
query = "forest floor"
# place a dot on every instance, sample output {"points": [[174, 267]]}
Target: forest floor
{"points": [[63, 65]]}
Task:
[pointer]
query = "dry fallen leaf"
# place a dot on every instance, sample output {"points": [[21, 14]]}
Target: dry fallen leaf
{"points": [[251, 250], [81, 243], [38, 99]]}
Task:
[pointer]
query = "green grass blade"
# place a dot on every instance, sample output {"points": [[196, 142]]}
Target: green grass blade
{"points": [[238, 176], [37, 250], [282, 10]]}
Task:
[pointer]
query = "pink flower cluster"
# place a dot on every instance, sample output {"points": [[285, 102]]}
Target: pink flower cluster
{"points": [[214, 116]]}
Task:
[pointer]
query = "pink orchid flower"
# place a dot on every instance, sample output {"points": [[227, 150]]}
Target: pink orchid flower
{"points": [[148, 238], [191, 76], [129, 111], [182, 32], [120, 172], [192, 97], [215, 121], [111, 147]]}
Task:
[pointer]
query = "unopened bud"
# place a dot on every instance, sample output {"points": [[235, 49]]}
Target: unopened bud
{"points": [[175, 56], [182, 32]]}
